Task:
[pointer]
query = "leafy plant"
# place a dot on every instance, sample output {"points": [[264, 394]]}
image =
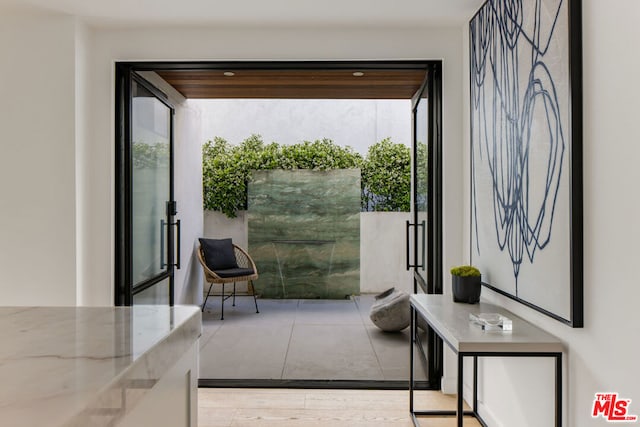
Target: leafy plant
{"points": [[386, 177], [150, 155], [422, 180], [465, 271], [224, 177], [386, 172]]}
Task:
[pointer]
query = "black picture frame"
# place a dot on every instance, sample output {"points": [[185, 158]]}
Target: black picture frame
{"points": [[525, 62]]}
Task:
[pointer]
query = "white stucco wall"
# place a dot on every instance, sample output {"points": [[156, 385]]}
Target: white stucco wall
{"points": [[358, 123], [188, 188], [383, 262], [219, 226]]}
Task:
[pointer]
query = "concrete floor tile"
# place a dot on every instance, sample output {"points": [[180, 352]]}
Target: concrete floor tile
{"points": [[244, 309], [328, 312], [210, 325], [246, 351], [363, 303], [278, 310], [305, 339], [271, 310], [331, 352], [389, 345], [392, 351]]}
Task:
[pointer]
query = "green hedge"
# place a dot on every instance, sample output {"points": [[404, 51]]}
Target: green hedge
{"points": [[386, 171], [386, 177]]}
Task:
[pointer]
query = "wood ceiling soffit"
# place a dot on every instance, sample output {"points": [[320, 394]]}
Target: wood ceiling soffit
{"points": [[296, 84]]}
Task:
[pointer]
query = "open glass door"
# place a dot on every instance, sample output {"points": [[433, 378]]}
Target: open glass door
{"points": [[424, 235], [420, 185], [145, 213]]}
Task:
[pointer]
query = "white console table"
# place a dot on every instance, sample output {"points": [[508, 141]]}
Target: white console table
{"points": [[450, 321]]}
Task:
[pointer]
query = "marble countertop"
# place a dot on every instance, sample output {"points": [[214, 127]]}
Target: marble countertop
{"points": [[70, 366]]}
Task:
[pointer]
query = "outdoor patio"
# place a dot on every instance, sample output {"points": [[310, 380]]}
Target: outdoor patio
{"points": [[301, 339]]}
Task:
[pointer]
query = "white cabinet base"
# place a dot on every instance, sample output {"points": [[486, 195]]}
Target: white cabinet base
{"points": [[172, 401]]}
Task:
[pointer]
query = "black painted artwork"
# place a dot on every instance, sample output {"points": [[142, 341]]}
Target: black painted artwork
{"points": [[518, 134]]}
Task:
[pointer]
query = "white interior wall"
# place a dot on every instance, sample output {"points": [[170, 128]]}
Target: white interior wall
{"points": [[81, 166], [38, 163], [109, 46], [98, 198], [602, 356]]}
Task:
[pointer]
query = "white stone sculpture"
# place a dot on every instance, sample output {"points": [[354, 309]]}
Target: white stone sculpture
{"points": [[390, 312]]}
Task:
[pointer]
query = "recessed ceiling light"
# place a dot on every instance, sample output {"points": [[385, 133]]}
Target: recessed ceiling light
{"points": [[358, 74], [229, 73]]}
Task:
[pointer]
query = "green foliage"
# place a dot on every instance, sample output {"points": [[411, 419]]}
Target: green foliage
{"points": [[465, 271], [150, 155], [319, 155], [227, 169], [224, 177], [422, 180], [386, 177], [386, 172]]}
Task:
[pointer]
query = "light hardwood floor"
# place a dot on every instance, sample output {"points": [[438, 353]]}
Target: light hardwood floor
{"points": [[318, 408]]}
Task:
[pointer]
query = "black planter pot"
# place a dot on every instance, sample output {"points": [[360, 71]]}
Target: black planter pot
{"points": [[466, 289]]}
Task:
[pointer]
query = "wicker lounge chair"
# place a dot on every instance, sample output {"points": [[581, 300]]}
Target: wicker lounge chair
{"points": [[224, 262]]}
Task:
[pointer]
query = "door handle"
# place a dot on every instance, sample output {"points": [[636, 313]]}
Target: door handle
{"points": [[407, 229], [166, 224], [171, 207], [177, 224], [422, 225], [176, 264], [171, 212], [163, 264]]}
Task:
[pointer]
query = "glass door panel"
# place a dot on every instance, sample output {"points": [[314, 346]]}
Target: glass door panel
{"points": [[421, 187], [150, 139], [145, 208], [158, 294]]}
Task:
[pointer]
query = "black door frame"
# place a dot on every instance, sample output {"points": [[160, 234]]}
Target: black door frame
{"points": [[432, 283], [124, 288], [433, 86]]}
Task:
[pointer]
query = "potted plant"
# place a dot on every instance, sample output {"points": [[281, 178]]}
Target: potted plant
{"points": [[466, 284]]}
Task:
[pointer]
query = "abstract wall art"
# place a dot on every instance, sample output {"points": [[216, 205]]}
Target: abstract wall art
{"points": [[526, 153]]}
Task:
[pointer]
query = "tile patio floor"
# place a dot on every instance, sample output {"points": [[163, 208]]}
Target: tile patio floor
{"points": [[300, 340]]}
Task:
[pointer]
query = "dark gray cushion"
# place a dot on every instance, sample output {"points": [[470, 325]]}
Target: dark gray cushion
{"points": [[218, 254], [234, 272]]}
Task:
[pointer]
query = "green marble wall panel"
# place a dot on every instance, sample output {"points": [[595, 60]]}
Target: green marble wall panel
{"points": [[304, 232]]}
